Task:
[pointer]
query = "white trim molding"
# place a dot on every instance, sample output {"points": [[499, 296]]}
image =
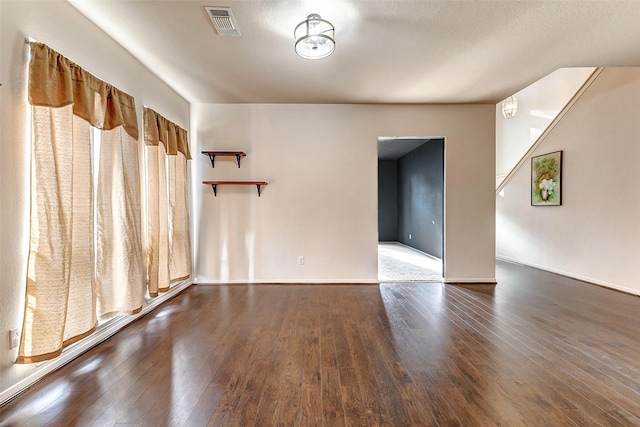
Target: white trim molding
{"points": [[471, 281], [288, 282]]}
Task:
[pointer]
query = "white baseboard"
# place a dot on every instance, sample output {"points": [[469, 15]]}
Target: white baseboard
{"points": [[471, 281], [102, 333], [572, 275], [288, 282]]}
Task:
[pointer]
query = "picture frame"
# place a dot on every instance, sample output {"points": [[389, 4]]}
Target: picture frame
{"points": [[546, 179]]}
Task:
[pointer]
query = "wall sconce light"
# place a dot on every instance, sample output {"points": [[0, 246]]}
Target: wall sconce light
{"points": [[314, 37], [509, 107]]}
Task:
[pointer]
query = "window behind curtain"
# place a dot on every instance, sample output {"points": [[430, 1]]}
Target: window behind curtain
{"points": [[85, 255], [168, 235]]}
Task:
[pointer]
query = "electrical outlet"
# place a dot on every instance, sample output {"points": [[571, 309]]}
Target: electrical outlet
{"points": [[300, 260], [14, 338]]}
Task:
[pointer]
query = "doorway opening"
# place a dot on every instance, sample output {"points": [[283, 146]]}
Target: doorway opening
{"points": [[410, 209]]}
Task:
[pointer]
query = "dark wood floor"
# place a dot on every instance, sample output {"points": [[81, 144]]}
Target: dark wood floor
{"points": [[538, 349]]}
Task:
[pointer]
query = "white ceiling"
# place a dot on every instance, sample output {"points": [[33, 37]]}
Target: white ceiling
{"points": [[418, 51]]}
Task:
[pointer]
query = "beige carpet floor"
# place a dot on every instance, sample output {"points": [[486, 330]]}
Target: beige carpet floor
{"points": [[401, 263]]}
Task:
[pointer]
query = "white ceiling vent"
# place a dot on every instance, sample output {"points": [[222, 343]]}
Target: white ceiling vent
{"points": [[223, 20]]}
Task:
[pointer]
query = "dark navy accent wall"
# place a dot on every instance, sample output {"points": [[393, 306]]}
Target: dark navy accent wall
{"points": [[420, 197], [387, 200]]}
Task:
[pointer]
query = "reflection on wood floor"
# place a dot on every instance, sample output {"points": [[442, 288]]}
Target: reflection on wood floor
{"points": [[536, 349]]}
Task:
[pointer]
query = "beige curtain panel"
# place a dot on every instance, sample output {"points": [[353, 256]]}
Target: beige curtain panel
{"points": [[74, 277], [60, 266], [168, 233], [180, 260], [120, 269]]}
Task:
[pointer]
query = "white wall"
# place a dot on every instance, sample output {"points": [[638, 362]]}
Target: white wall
{"points": [[538, 104], [321, 201], [59, 25], [320, 161], [595, 234]]}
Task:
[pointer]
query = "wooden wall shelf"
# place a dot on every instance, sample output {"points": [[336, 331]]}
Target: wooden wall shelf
{"points": [[212, 155], [214, 185]]}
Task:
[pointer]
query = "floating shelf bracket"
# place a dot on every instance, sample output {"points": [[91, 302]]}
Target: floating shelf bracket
{"points": [[214, 185], [212, 155]]}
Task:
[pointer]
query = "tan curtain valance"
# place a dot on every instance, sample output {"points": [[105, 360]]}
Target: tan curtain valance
{"points": [[54, 81], [158, 129]]}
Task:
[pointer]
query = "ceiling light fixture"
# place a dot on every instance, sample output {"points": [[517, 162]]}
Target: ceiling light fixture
{"points": [[314, 37], [509, 107]]}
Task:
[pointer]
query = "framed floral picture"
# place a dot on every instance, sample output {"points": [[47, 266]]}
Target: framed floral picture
{"points": [[546, 179]]}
